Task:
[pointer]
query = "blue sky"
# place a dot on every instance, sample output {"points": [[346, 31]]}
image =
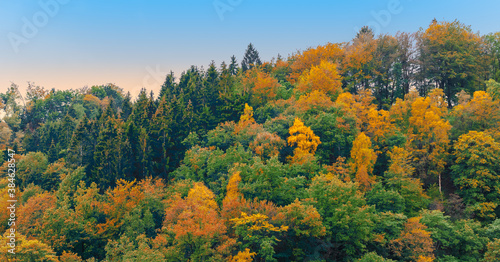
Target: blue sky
{"points": [[133, 44]]}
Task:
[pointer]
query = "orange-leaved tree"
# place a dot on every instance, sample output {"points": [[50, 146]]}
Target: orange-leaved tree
{"points": [[414, 243], [260, 84], [312, 57], [193, 227]]}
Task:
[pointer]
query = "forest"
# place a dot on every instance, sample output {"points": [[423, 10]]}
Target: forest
{"points": [[383, 148]]}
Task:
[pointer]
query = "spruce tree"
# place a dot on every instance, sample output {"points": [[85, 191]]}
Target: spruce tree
{"points": [[132, 166], [168, 86], [233, 66], [160, 140], [250, 59], [126, 107], [105, 157]]}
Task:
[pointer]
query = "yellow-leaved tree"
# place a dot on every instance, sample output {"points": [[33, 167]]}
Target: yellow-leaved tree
{"points": [[363, 159], [26, 249], [323, 77], [247, 114], [243, 256], [428, 135], [305, 140]]}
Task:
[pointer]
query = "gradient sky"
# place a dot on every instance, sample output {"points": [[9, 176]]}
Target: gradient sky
{"points": [[133, 44]]}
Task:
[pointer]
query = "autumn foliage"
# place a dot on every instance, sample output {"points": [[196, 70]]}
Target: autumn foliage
{"points": [[382, 148]]}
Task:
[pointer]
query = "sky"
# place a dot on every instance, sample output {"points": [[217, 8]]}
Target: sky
{"points": [[69, 44]]}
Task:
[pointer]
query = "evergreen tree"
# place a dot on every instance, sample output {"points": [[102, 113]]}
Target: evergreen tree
{"points": [[365, 30], [159, 139], [66, 131], [81, 150], [233, 66], [105, 171], [168, 86], [52, 154], [126, 107], [250, 59], [140, 114], [132, 165]]}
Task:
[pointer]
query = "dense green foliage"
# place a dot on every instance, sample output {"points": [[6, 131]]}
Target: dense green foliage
{"points": [[384, 148]]}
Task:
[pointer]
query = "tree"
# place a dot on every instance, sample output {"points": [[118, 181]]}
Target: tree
{"points": [[159, 139], [388, 76], [415, 242], [476, 171], [493, 253], [233, 66], [26, 249], [358, 106], [31, 213], [481, 114], [106, 156], [194, 228], [260, 85], [464, 240], [305, 227], [243, 256], [257, 234], [358, 64], [302, 136], [31, 167], [451, 58], [323, 77], [348, 220], [493, 43], [82, 145], [428, 135], [493, 88], [305, 60], [251, 58], [363, 159], [133, 165], [168, 86], [373, 257], [247, 115], [399, 178], [126, 108]]}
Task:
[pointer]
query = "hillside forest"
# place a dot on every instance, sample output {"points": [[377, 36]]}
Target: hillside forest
{"points": [[383, 148]]}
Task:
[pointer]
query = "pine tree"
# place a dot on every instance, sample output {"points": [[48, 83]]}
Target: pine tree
{"points": [[250, 59]]}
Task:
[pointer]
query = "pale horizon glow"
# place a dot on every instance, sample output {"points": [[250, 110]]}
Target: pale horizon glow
{"points": [[134, 44]]}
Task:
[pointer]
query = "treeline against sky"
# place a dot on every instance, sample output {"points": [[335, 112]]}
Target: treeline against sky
{"points": [[385, 148]]}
